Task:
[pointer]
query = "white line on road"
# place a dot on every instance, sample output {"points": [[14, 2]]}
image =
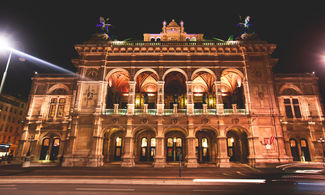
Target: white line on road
{"points": [[207, 190], [231, 180], [8, 188], [7, 185], [105, 189]]}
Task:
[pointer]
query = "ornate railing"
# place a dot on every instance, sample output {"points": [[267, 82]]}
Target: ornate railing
{"points": [[179, 111], [171, 43]]}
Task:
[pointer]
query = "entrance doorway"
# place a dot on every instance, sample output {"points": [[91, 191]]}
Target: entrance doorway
{"points": [[205, 146], [146, 143], [237, 146], [175, 146], [304, 154], [50, 148]]}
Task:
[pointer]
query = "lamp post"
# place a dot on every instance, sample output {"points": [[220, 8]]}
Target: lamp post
{"points": [[4, 45]]}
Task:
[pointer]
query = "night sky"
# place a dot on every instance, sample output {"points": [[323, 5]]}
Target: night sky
{"points": [[50, 30]]}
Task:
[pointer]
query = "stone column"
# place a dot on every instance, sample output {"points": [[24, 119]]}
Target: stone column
{"points": [[34, 149], [116, 108], [314, 146], [191, 159], [222, 153], [160, 157], [95, 159], [131, 99], [23, 144], [246, 94], [219, 103], [190, 101], [101, 96], [145, 108], [68, 160], [128, 156], [160, 98], [175, 108], [205, 108]]}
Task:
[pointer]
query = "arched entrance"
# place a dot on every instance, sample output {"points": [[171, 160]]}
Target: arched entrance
{"points": [[304, 150], [294, 149], [118, 89], [50, 148], [113, 146], [232, 89], [203, 89], [146, 90], [175, 146], [304, 154], [145, 146], [237, 146], [175, 90], [205, 146]]}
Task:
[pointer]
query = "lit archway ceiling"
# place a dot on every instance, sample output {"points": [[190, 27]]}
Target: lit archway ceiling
{"points": [[146, 82], [119, 81], [203, 82], [230, 81]]}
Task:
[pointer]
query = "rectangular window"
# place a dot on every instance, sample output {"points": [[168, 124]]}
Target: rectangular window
{"points": [[60, 111], [296, 108], [287, 105], [52, 111]]}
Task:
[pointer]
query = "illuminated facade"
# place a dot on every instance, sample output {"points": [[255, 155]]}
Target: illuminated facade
{"points": [[174, 97], [12, 113]]}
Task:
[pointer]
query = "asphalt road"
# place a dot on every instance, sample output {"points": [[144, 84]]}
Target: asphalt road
{"points": [[273, 188]]}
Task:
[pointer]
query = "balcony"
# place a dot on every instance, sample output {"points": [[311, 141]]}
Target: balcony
{"points": [[175, 112]]}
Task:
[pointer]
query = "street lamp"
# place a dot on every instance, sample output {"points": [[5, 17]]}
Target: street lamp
{"points": [[4, 45]]}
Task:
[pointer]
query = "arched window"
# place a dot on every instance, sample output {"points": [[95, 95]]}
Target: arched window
{"points": [[118, 148], [152, 39], [56, 107]]}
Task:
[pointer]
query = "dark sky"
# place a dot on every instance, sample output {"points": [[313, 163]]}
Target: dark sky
{"points": [[50, 30]]}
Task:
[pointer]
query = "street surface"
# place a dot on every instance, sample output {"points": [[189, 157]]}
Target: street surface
{"points": [[146, 180]]}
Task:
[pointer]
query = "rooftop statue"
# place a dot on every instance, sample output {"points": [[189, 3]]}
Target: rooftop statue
{"points": [[103, 25], [245, 24]]}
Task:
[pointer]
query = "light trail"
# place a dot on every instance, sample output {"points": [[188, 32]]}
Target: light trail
{"points": [[231, 180], [50, 65]]}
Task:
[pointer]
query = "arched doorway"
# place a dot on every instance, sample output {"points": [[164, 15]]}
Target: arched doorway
{"points": [[118, 89], [237, 146], [294, 149], [203, 90], [232, 89], [50, 148], [304, 150], [175, 146], [205, 146], [303, 154], [145, 146], [113, 145], [146, 90], [175, 90]]}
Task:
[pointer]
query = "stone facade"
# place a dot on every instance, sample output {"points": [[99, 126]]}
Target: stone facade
{"points": [[156, 102]]}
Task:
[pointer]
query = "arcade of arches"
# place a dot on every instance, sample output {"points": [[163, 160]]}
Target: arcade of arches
{"points": [[174, 89], [176, 146]]}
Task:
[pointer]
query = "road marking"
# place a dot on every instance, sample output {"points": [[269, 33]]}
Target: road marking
{"points": [[231, 180], [7, 185], [206, 190], [8, 188], [105, 189]]}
